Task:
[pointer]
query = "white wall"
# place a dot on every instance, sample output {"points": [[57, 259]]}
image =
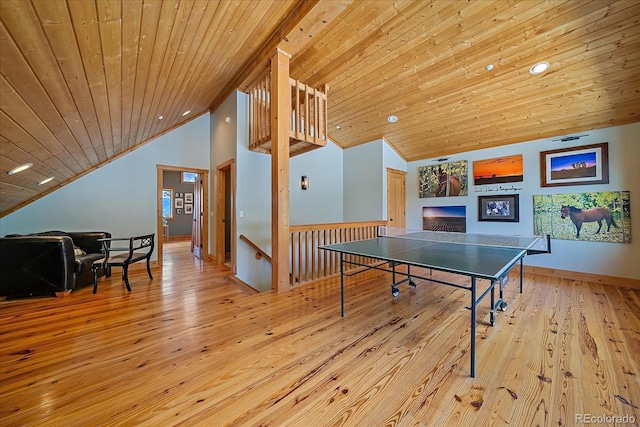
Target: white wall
{"points": [[253, 202], [610, 259], [224, 144], [323, 201], [119, 197], [363, 182]]}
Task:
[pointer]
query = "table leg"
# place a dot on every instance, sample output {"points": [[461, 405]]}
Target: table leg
{"points": [[394, 291], [473, 327], [342, 282], [521, 267], [412, 284], [492, 313]]}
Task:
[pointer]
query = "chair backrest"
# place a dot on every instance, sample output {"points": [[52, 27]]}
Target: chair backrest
{"points": [[135, 254], [141, 242]]}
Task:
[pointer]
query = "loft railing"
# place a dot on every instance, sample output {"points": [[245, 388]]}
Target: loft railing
{"points": [[308, 263], [308, 120]]}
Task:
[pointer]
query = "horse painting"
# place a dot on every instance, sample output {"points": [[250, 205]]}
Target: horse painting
{"points": [[447, 185], [578, 216]]}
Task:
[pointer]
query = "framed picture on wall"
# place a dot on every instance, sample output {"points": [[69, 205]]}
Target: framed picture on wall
{"points": [[498, 170], [443, 180], [188, 208], [594, 216], [505, 208], [445, 218], [188, 197], [587, 164], [178, 211], [179, 203]]}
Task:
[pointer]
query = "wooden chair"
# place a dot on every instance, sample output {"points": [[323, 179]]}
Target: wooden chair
{"points": [[140, 248]]}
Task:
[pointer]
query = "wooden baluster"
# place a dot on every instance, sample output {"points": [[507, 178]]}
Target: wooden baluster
{"points": [[314, 253], [300, 257]]}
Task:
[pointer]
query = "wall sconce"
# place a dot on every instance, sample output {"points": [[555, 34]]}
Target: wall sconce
{"points": [[304, 182]]}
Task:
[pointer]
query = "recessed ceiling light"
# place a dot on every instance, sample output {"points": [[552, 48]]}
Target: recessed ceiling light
{"points": [[160, 117], [488, 67], [392, 119], [44, 181], [538, 68], [186, 112], [20, 168], [338, 127]]}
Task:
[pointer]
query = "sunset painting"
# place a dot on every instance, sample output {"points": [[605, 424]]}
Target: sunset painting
{"points": [[498, 170]]}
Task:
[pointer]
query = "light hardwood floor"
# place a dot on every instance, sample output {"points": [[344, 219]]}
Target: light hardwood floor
{"points": [[188, 348]]}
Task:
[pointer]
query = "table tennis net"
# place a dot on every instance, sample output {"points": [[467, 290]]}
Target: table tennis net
{"points": [[533, 243]]}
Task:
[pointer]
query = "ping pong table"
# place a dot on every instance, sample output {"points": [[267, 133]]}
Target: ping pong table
{"points": [[477, 256]]}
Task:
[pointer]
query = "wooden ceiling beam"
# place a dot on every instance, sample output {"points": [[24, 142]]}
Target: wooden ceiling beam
{"points": [[298, 29]]}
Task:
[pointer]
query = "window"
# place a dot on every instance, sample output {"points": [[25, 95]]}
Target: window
{"points": [[167, 203], [189, 176]]}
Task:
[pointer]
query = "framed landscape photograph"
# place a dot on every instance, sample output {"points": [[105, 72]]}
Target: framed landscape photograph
{"points": [[498, 170], [445, 218], [179, 203], [588, 164], [188, 208], [188, 197], [504, 208]]}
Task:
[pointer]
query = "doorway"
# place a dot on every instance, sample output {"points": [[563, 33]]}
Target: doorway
{"points": [[196, 227], [200, 209], [225, 214], [396, 198]]}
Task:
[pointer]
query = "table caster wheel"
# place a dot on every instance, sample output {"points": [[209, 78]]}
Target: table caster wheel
{"points": [[503, 306], [412, 284], [395, 292]]}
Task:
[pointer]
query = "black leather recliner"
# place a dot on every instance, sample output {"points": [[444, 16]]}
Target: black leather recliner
{"points": [[48, 263]]}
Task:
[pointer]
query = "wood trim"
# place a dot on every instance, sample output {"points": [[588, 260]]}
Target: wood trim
{"points": [[205, 215], [393, 147], [159, 224], [393, 195], [243, 286], [205, 206], [586, 277], [220, 206], [334, 225], [259, 252], [171, 168]]}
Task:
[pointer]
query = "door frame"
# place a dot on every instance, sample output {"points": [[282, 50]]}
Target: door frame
{"points": [[403, 174], [221, 171], [160, 169]]}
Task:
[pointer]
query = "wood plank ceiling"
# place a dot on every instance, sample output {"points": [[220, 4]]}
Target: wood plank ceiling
{"points": [[83, 82]]}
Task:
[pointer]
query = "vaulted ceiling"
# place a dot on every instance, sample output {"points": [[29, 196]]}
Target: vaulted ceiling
{"points": [[83, 82]]}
